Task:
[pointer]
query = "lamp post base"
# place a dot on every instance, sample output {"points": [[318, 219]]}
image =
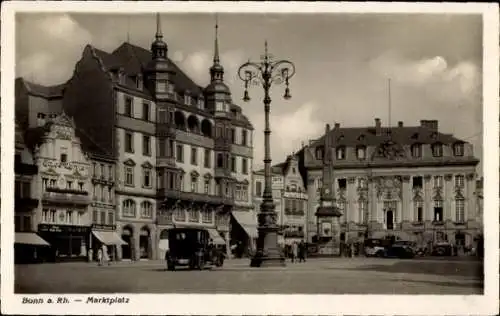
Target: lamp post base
{"points": [[268, 254]]}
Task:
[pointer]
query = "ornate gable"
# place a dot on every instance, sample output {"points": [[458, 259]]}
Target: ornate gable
{"points": [[147, 165], [194, 174], [389, 150]]}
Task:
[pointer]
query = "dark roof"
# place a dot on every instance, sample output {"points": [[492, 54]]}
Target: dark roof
{"points": [[43, 91], [352, 136], [134, 60]]}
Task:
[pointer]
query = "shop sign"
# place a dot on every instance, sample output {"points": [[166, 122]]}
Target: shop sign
{"points": [[66, 165], [103, 227], [62, 228]]}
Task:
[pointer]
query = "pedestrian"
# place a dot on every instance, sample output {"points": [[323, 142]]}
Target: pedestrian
{"points": [[302, 251], [105, 255], [99, 256], [295, 250]]}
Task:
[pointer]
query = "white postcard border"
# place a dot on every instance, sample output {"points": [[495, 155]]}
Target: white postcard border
{"points": [[261, 304]]}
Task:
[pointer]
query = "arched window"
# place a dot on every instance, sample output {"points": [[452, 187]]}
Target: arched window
{"points": [[146, 209], [361, 152], [128, 208], [419, 210], [341, 153]]}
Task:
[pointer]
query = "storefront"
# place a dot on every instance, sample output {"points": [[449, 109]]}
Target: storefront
{"points": [[67, 242], [105, 235], [244, 232], [29, 248]]}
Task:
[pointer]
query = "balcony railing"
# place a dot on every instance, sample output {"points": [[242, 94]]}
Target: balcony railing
{"points": [[67, 197], [195, 197]]}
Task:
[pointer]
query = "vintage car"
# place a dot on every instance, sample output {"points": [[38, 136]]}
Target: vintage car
{"points": [[402, 250], [192, 247]]}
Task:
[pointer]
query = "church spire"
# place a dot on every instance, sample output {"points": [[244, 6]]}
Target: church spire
{"points": [[216, 71], [159, 48]]}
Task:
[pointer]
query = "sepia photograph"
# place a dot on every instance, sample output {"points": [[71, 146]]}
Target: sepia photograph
{"points": [[223, 152]]}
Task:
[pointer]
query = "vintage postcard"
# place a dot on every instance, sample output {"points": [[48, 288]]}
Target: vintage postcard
{"points": [[206, 158]]}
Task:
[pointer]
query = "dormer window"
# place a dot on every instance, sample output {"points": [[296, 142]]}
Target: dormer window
{"points": [[139, 82], [161, 86], [458, 149], [361, 152], [361, 137], [416, 150], [220, 106], [341, 153], [437, 150], [121, 77], [170, 89], [320, 151]]}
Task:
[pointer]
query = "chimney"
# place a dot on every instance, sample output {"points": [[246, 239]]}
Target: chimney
{"points": [[378, 127], [337, 125], [430, 124], [327, 128], [400, 124]]}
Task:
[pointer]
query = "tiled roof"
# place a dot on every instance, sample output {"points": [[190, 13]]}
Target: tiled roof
{"points": [[352, 136], [134, 59]]}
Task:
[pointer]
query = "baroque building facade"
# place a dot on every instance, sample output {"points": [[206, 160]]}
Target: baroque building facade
{"points": [[183, 152], [409, 182]]}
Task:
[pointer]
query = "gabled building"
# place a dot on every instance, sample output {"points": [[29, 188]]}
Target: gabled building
{"points": [[183, 152], [408, 182]]}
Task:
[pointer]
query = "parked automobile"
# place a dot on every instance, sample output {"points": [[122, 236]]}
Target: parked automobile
{"points": [[442, 249], [191, 247], [375, 247], [402, 250]]}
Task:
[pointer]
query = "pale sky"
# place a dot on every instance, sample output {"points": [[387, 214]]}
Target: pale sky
{"points": [[342, 61]]}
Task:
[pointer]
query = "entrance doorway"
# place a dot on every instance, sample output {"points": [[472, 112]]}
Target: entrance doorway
{"points": [[144, 244], [127, 248], [389, 219], [460, 239]]}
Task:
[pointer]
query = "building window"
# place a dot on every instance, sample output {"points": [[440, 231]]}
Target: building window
{"points": [[437, 150], [69, 217], [162, 116], [128, 208], [111, 218], [193, 215], [194, 156], [179, 215], [181, 182], [418, 182], [194, 183], [258, 188], [342, 183], [180, 153], [129, 142], [146, 111], [458, 149], [416, 150], [207, 186], [206, 162], [244, 140], [233, 164], [146, 145], [319, 153], [459, 181], [95, 217], [244, 166], [146, 176], [110, 173], [52, 183], [161, 86], [206, 216], [64, 157], [419, 211], [362, 183], [81, 186], [438, 181], [220, 161], [363, 211], [460, 210], [69, 185], [233, 135], [139, 82], [161, 147], [361, 152], [129, 109], [103, 218], [129, 176], [146, 209], [341, 153], [438, 210], [201, 104], [187, 99]]}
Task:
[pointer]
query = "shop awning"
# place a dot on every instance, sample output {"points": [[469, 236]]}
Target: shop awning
{"points": [[30, 239], [248, 221], [109, 238], [218, 240]]}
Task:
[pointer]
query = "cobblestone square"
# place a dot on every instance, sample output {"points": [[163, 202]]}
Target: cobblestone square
{"points": [[316, 276]]}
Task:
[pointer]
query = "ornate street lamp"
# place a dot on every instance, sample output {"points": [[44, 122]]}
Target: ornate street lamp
{"points": [[266, 73]]}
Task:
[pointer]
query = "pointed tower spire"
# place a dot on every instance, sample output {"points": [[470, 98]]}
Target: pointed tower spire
{"points": [[158, 35], [216, 44], [216, 71]]}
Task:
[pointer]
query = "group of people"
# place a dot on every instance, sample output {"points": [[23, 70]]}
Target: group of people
{"points": [[297, 251], [103, 256]]}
